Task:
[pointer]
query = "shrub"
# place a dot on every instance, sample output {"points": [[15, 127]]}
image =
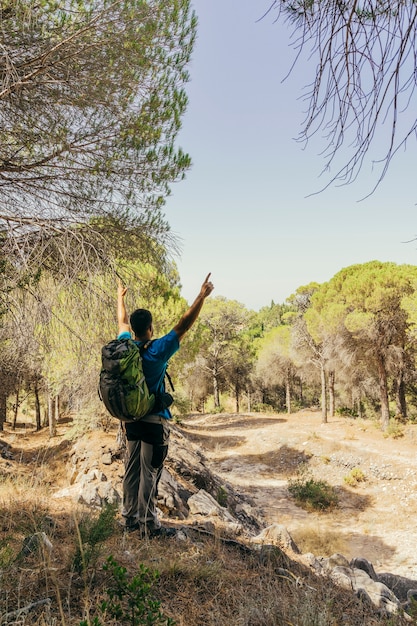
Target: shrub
{"points": [[313, 494], [346, 411], [355, 477], [92, 532], [394, 430], [130, 601]]}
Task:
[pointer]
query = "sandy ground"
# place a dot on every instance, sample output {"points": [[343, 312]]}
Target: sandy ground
{"points": [[375, 519]]}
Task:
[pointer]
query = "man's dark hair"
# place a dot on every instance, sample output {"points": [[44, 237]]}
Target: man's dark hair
{"points": [[140, 320]]}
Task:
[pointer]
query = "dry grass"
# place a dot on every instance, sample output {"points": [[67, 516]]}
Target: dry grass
{"points": [[203, 581], [319, 541]]}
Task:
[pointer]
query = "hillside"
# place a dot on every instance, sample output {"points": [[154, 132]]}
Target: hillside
{"points": [[203, 579]]}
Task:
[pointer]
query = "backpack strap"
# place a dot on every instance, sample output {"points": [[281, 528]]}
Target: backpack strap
{"points": [[170, 380], [145, 346]]}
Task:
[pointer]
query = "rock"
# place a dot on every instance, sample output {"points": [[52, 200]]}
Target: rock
{"points": [[172, 497], [336, 560], [277, 535], [341, 576], [364, 584], [202, 503], [92, 476], [188, 465], [90, 491], [98, 494], [36, 541], [400, 585], [5, 451], [361, 563]]}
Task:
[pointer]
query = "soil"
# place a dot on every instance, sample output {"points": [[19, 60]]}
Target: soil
{"points": [[375, 518]]}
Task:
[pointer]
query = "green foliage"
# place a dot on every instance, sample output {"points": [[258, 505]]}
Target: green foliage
{"points": [[92, 132], [92, 533], [346, 411], [313, 494], [181, 405], [270, 317], [130, 601], [262, 407], [221, 496], [6, 553]]}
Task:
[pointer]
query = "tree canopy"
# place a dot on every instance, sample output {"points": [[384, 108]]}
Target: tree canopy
{"points": [[91, 99]]}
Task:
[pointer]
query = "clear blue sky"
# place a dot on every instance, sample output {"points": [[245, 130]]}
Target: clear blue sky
{"points": [[244, 211]]}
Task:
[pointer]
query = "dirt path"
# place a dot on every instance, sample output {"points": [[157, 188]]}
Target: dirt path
{"points": [[375, 519]]}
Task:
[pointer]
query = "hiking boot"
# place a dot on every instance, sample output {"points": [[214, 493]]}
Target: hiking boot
{"points": [[130, 525], [150, 531]]}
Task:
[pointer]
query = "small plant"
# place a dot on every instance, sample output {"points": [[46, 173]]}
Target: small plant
{"points": [[6, 554], [222, 496], [355, 477], [394, 430], [130, 601], [92, 532], [313, 494], [346, 411]]}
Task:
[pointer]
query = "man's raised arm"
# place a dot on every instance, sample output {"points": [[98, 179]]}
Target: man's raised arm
{"points": [[122, 318], [193, 312]]}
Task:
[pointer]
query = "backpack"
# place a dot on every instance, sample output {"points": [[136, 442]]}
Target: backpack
{"points": [[122, 384]]}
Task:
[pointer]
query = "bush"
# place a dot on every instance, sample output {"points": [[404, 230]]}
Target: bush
{"points": [[313, 494], [92, 533], [259, 407], [130, 601], [181, 405], [346, 411], [394, 430], [355, 477]]}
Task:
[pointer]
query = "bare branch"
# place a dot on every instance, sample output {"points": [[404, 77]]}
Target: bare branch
{"points": [[365, 77]]}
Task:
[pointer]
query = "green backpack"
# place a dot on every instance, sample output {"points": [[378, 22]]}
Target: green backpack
{"points": [[122, 384]]}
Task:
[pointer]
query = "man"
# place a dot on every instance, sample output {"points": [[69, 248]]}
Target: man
{"points": [[147, 439]]}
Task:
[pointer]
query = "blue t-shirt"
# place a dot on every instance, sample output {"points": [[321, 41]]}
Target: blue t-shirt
{"points": [[155, 362]]}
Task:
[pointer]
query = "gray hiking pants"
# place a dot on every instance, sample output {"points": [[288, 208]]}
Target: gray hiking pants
{"points": [[142, 473]]}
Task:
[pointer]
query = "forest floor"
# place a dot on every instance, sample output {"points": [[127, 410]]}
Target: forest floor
{"points": [[375, 519]]}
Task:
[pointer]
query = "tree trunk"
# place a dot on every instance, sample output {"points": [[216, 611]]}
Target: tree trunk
{"points": [[400, 400], [288, 391], [249, 401], [237, 397], [331, 393], [15, 409], [51, 416], [3, 409], [323, 394], [37, 408], [359, 404], [383, 392], [56, 409], [216, 393]]}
